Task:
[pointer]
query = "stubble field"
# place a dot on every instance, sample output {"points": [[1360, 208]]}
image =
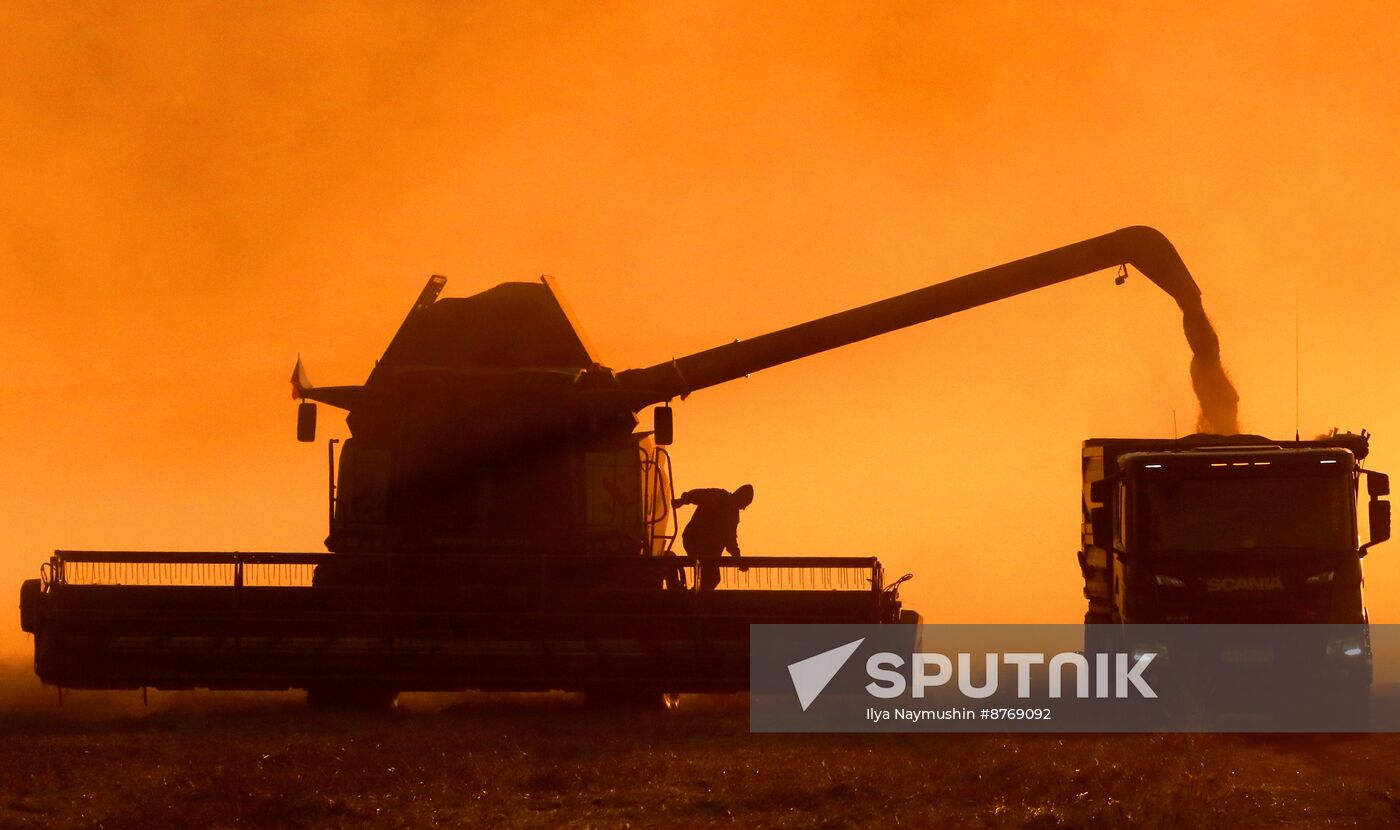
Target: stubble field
{"points": [[200, 760]]}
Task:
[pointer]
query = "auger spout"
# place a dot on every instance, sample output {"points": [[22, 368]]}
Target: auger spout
{"points": [[1144, 248]]}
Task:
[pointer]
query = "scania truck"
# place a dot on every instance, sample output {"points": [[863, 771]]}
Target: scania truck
{"points": [[1238, 531]]}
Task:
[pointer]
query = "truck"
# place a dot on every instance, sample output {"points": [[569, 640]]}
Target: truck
{"points": [[499, 520], [1240, 531]]}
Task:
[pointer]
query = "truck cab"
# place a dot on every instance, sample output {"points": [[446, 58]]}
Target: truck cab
{"points": [[1239, 530], [1261, 537]]}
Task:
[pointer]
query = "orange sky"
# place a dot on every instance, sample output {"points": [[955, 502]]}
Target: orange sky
{"points": [[193, 196]]}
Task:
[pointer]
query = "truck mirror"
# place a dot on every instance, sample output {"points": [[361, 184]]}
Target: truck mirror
{"points": [[663, 425], [1377, 484], [1380, 521], [1100, 491], [1102, 522], [306, 422]]}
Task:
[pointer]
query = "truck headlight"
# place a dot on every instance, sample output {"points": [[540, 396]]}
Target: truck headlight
{"points": [[1317, 579], [1170, 581], [1344, 647]]}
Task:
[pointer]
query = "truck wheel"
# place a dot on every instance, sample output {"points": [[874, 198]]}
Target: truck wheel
{"points": [[1354, 709], [1100, 634]]}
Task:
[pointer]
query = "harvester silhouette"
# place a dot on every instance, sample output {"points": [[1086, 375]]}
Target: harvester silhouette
{"points": [[499, 522]]}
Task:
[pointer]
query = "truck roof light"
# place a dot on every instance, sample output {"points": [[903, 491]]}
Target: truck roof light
{"points": [[1240, 464], [1328, 461], [1262, 463], [1219, 464], [1153, 466]]}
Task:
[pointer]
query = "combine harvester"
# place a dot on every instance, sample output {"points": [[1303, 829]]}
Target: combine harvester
{"points": [[498, 522]]}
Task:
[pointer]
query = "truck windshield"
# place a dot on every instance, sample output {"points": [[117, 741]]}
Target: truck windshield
{"points": [[1228, 513]]}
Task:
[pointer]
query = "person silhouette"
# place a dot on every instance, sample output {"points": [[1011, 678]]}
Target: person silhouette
{"points": [[713, 529]]}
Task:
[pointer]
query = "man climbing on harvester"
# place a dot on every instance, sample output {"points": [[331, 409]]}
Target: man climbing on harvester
{"points": [[713, 529]]}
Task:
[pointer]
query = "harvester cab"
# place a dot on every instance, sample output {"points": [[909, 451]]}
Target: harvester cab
{"points": [[488, 427]]}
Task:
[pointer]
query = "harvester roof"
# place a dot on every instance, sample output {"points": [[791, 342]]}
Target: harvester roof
{"points": [[516, 326]]}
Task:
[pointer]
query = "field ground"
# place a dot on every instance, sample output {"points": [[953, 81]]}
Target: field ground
{"points": [[200, 760]]}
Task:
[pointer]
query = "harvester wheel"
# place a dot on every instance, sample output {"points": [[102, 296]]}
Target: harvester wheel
{"points": [[361, 698], [31, 606], [633, 699]]}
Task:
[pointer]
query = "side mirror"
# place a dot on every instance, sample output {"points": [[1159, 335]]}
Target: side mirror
{"points": [[306, 422], [1101, 491], [1102, 522], [1377, 484], [663, 425], [1380, 522]]}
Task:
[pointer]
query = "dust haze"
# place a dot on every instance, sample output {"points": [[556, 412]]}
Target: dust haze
{"points": [[196, 194]]}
